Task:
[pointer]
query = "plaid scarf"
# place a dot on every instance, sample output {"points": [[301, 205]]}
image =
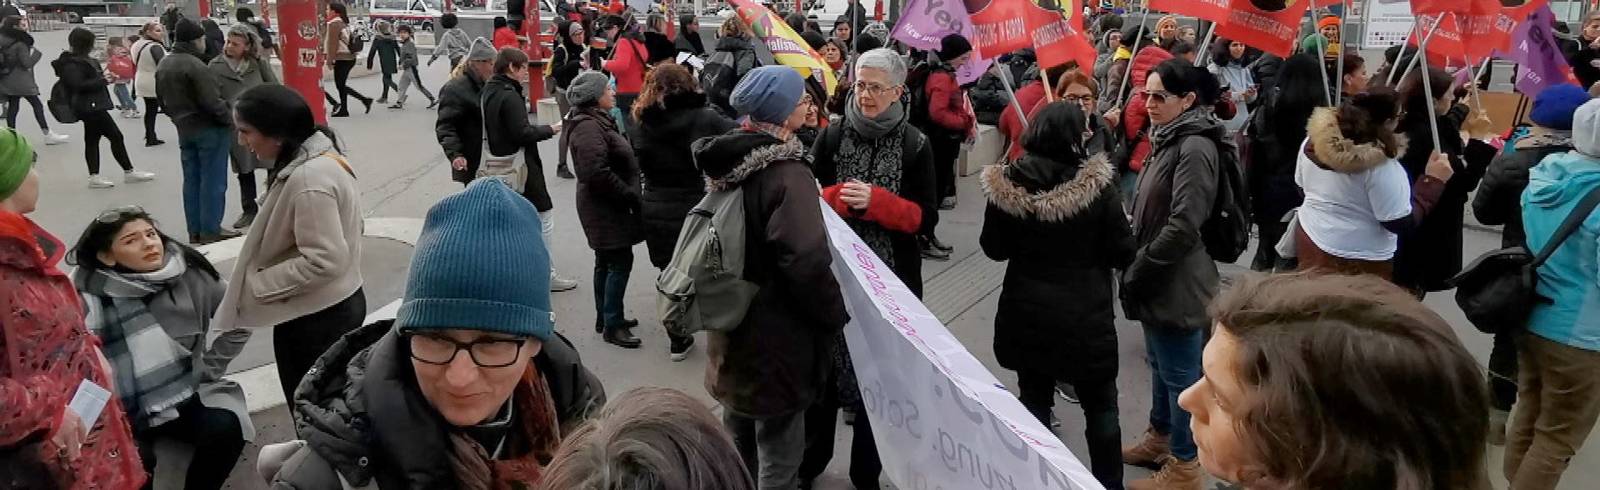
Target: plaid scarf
{"points": [[153, 373]]}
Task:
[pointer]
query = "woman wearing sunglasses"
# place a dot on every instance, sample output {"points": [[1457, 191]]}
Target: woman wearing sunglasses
{"points": [[46, 354], [149, 298]]}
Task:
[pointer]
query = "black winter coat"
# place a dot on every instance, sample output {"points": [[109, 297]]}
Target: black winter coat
{"points": [[1580, 60], [567, 63], [745, 59], [189, 93], [1172, 279], [672, 184], [1431, 254], [505, 115], [918, 184], [608, 180], [1499, 197], [81, 75], [776, 361], [364, 417], [459, 126], [1274, 147], [1062, 228]]}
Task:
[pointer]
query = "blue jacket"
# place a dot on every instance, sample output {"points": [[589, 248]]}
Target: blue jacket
{"points": [[1571, 277]]}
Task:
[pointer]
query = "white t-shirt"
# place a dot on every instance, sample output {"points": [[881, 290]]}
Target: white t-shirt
{"points": [[1344, 213]]}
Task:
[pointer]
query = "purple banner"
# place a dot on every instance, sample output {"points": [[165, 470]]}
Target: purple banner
{"points": [[1534, 49], [924, 22]]}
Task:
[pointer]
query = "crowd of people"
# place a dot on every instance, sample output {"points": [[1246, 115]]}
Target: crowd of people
{"points": [[1118, 191]]}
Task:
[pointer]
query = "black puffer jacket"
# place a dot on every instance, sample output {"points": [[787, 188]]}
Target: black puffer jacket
{"points": [[775, 362], [1061, 227], [672, 184], [189, 92], [745, 58], [81, 74], [608, 180], [362, 417], [1172, 279], [459, 126], [1431, 254], [1499, 197], [505, 115]]}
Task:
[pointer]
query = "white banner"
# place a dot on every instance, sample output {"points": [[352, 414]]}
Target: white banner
{"points": [[1387, 24], [941, 420]]}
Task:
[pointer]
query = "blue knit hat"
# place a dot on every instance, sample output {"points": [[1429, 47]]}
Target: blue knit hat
{"points": [[1553, 107], [480, 264], [768, 94]]}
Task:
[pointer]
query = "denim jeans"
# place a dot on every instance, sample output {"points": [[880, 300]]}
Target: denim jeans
{"points": [[205, 179], [124, 97], [771, 448], [611, 270], [1174, 367], [1037, 391]]}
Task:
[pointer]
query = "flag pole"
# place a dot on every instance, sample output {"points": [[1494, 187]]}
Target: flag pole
{"points": [[1420, 46], [1338, 83], [1427, 88], [1005, 79], [1201, 53], [1127, 73]]}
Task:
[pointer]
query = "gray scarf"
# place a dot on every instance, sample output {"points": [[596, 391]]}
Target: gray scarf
{"points": [[874, 128], [153, 373], [1161, 133]]}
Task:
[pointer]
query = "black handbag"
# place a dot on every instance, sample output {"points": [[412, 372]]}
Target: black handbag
{"points": [[1497, 290]]}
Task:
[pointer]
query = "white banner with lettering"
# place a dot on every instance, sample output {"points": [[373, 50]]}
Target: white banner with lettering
{"points": [[941, 420]]}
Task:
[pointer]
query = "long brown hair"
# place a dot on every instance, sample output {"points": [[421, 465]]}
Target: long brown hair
{"points": [[1364, 119], [661, 82], [1350, 382]]}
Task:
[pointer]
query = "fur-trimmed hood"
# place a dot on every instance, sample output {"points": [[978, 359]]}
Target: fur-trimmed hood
{"points": [[1056, 204], [731, 158], [1332, 150]]}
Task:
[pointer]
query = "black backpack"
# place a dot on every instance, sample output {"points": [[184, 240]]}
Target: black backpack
{"points": [[357, 43], [718, 78], [1498, 290], [1226, 234]]}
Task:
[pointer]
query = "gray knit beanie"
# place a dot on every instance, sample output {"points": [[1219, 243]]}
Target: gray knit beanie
{"points": [[587, 88]]}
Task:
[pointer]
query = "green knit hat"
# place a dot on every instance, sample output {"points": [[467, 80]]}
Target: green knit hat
{"points": [[16, 158]]}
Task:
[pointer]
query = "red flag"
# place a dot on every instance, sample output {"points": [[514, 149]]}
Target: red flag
{"points": [[1273, 31], [1446, 42], [1057, 39], [1467, 7], [1212, 10], [1004, 26], [1493, 32]]}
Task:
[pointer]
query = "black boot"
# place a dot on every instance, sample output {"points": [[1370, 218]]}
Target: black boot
{"points": [[621, 337], [563, 172], [934, 240], [930, 252]]}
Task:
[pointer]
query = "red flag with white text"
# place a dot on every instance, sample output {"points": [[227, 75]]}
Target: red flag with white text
{"points": [[1272, 26], [1212, 10], [1057, 38], [1493, 32]]}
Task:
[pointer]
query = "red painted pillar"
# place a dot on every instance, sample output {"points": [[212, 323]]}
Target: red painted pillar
{"points": [[536, 54], [205, 8], [300, 36]]}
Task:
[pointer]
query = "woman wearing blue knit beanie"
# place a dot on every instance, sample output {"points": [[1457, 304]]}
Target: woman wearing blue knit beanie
{"points": [[608, 200]]}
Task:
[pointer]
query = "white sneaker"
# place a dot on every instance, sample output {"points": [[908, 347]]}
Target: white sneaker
{"points": [[54, 138], [559, 284], [135, 176], [132, 114], [98, 182]]}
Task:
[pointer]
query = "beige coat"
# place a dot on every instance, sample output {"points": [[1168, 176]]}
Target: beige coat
{"points": [[336, 42], [303, 253]]}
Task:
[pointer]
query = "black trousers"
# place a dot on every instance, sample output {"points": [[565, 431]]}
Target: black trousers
{"points": [[341, 80], [247, 193], [388, 83], [217, 438], [1503, 372], [96, 125], [152, 106], [297, 343], [821, 420], [1267, 258], [945, 153], [38, 111], [1101, 427]]}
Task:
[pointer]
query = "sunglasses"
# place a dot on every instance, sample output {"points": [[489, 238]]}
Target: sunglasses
{"points": [[1161, 96], [116, 214]]}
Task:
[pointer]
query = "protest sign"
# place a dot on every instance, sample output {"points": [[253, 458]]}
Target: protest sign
{"points": [[1387, 24], [1534, 50], [1267, 25], [941, 419], [787, 47], [924, 22]]}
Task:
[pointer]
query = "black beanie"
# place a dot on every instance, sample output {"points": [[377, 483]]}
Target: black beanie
{"points": [[814, 38], [658, 47], [187, 30], [953, 46]]}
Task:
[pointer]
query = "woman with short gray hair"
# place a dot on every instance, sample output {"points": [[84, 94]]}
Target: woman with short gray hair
{"points": [[241, 68], [876, 170]]}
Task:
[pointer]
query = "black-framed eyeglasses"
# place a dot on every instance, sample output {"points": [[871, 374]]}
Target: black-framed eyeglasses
{"points": [[872, 89], [1077, 99], [116, 214], [486, 352]]}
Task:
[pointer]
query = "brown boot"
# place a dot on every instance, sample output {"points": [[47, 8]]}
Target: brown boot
{"points": [[1152, 450], [1176, 475]]}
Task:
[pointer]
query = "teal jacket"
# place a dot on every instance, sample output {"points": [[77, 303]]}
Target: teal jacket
{"points": [[1571, 277]]}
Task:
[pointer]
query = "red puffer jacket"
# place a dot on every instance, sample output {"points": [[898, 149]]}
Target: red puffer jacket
{"points": [[1030, 97], [947, 103], [1136, 119], [46, 353]]}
